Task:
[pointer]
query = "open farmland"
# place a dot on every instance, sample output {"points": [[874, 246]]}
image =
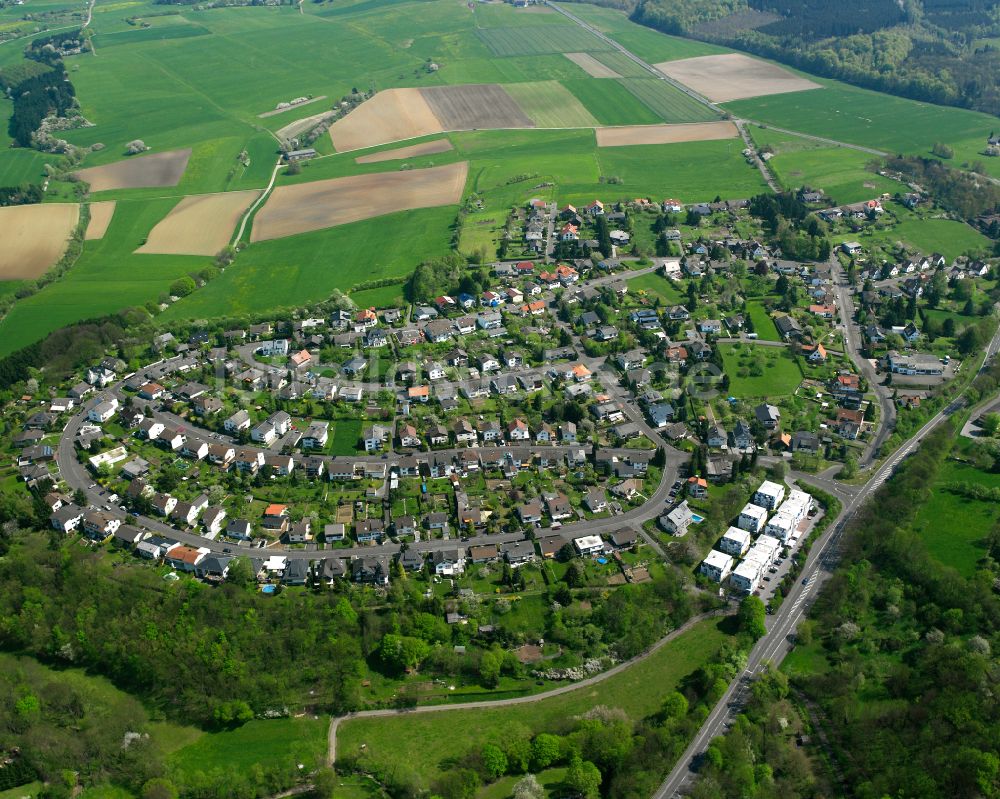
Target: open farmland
{"points": [[733, 76], [535, 40], [474, 107], [668, 102], [34, 237], [106, 278], [610, 103], [550, 105], [624, 66], [412, 151], [391, 115], [138, 172], [591, 65], [100, 218], [326, 203], [859, 116], [665, 134], [286, 272], [199, 225]]}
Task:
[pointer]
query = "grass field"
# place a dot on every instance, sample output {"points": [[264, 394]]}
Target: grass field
{"points": [[955, 527], [763, 324], [379, 298], [858, 116], [926, 235], [346, 433], [610, 103], [840, 172], [549, 104], [256, 742], [427, 742], [536, 40], [657, 286], [780, 376], [691, 171], [669, 103], [648, 44], [308, 267], [106, 278]]}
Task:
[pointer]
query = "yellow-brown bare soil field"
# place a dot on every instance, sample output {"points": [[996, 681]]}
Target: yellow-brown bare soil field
{"points": [[326, 203], [201, 224], [391, 115], [733, 76], [665, 134], [100, 218], [34, 237]]}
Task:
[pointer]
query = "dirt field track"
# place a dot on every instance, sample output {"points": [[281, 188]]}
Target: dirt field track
{"points": [[34, 237], [389, 116], [100, 218], [591, 65], [138, 172], [475, 107], [733, 76], [198, 225], [326, 203], [665, 134], [424, 148]]}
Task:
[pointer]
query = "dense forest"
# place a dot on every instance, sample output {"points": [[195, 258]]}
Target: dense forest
{"points": [[934, 51], [898, 696], [38, 93]]}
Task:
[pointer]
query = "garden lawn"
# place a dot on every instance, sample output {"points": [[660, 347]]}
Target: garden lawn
{"points": [[658, 286], [256, 742], [346, 433], [427, 742], [781, 372], [763, 324]]}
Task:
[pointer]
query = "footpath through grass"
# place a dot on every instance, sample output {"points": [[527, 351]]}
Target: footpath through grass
{"points": [[428, 742]]}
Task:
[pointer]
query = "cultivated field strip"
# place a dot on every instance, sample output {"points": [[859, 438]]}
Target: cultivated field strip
{"points": [[622, 64], [391, 115], [34, 237], [201, 224], [549, 104], [668, 102], [100, 218], [139, 172], [322, 204], [733, 76], [413, 151], [592, 66], [475, 107], [539, 40], [629, 135]]}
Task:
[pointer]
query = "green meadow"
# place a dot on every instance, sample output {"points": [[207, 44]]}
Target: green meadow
{"points": [[955, 527], [839, 171], [427, 742], [858, 116]]}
